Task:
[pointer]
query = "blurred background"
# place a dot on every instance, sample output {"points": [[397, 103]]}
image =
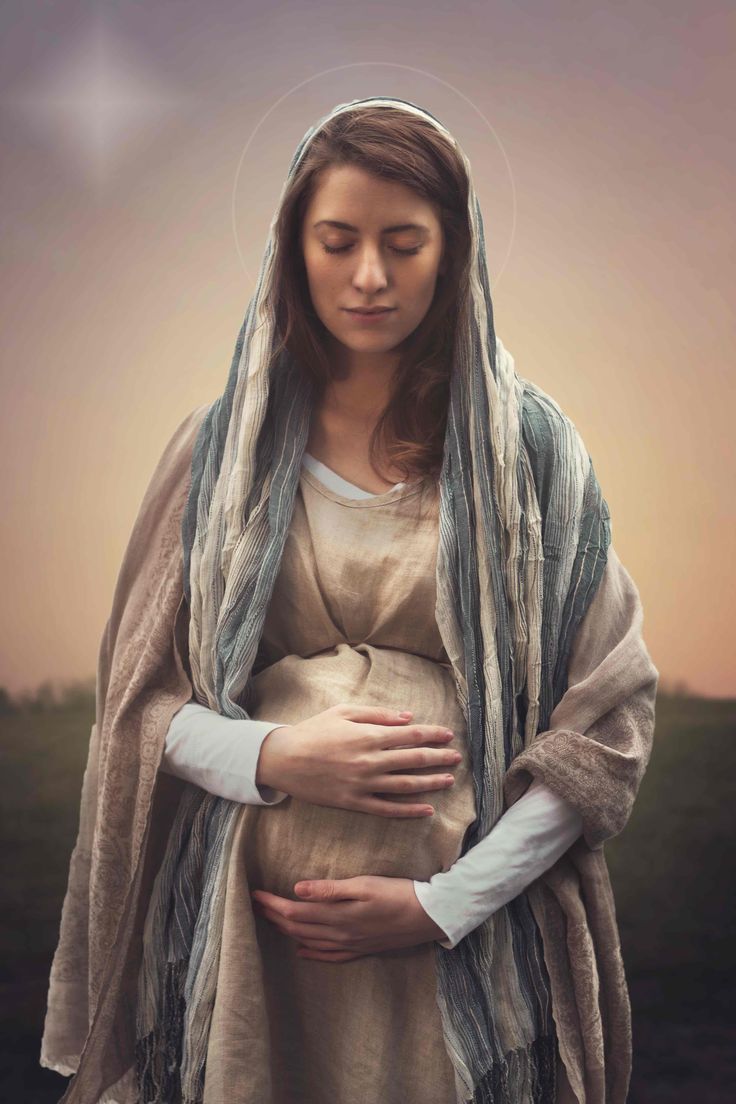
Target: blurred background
{"points": [[144, 149]]}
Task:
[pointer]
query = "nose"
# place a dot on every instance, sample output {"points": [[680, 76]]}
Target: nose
{"points": [[370, 273]]}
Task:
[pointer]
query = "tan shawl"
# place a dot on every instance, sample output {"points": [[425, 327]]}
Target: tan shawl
{"points": [[127, 807]]}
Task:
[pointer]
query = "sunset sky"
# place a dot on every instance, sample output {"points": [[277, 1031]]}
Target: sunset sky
{"points": [[144, 154]]}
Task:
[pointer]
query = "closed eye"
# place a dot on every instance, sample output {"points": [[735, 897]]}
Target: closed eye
{"points": [[395, 249]]}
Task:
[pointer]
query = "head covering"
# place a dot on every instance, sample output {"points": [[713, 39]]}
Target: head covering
{"points": [[523, 539]]}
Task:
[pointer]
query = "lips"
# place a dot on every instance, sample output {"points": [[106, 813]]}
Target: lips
{"points": [[372, 310]]}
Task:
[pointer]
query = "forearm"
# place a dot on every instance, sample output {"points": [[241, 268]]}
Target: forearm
{"points": [[525, 841], [220, 754]]}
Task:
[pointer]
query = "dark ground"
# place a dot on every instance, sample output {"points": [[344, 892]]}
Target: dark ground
{"points": [[670, 870]]}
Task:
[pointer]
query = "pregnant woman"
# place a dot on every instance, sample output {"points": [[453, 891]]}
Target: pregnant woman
{"points": [[372, 696]]}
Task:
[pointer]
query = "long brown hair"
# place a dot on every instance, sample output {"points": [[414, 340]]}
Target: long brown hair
{"points": [[401, 147]]}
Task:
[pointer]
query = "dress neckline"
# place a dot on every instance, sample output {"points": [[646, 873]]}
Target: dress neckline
{"points": [[366, 499], [337, 482]]}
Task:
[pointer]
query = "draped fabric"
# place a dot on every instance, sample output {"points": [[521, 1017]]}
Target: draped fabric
{"points": [[522, 544]]}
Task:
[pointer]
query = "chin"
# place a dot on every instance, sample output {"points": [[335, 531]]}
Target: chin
{"points": [[362, 338], [371, 346]]}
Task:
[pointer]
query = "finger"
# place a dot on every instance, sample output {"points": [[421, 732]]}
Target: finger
{"points": [[271, 899], [308, 912], [330, 935], [400, 809], [324, 945], [412, 735], [297, 910], [419, 758], [412, 784], [332, 889], [328, 956]]}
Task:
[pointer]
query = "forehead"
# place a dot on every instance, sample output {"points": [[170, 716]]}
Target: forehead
{"points": [[353, 195]]}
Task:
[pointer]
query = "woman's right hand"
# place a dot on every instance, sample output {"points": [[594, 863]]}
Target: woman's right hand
{"points": [[344, 758]]}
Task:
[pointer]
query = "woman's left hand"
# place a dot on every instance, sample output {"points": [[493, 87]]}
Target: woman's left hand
{"points": [[344, 918]]}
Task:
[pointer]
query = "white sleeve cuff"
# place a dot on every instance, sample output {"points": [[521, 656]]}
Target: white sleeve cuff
{"points": [[218, 753], [529, 837]]}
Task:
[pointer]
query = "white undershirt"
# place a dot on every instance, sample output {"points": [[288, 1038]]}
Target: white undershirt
{"points": [[220, 754]]}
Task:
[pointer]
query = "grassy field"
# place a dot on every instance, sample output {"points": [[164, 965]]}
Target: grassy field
{"points": [[674, 889]]}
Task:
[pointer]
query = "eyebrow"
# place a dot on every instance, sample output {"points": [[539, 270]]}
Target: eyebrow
{"points": [[386, 230]]}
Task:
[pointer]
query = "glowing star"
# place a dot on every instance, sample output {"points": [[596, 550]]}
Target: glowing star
{"points": [[96, 101]]}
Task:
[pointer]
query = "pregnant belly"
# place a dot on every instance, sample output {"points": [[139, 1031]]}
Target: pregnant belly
{"points": [[285, 843]]}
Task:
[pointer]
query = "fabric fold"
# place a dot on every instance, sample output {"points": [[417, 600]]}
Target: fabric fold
{"points": [[598, 765], [126, 806]]}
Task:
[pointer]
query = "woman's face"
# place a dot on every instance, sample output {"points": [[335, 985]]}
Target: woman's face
{"points": [[389, 245]]}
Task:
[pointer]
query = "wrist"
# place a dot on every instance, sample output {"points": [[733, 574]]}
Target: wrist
{"points": [[272, 757], [430, 930]]}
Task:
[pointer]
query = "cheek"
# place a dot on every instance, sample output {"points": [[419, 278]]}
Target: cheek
{"points": [[425, 284], [321, 276]]}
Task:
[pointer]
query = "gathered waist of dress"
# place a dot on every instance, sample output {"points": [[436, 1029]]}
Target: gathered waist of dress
{"points": [[295, 687], [295, 839]]}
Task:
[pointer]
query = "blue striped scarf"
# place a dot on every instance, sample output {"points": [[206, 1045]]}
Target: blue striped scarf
{"points": [[522, 544]]}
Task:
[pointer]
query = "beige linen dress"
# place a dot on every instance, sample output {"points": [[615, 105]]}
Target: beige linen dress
{"points": [[595, 754], [351, 619]]}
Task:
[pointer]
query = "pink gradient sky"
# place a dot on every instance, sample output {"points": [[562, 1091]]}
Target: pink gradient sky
{"points": [[123, 290]]}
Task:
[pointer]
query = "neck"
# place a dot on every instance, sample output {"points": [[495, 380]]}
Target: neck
{"points": [[361, 387]]}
